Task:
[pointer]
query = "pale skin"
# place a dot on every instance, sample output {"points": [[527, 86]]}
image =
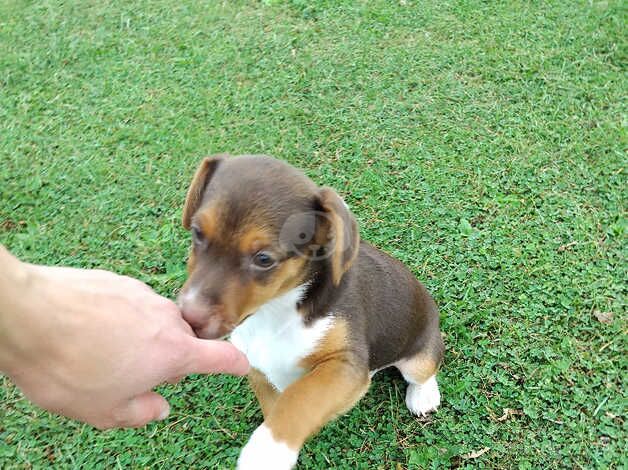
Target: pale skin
{"points": [[91, 345]]}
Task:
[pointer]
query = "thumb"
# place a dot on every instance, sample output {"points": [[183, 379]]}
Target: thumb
{"points": [[212, 356], [141, 410]]}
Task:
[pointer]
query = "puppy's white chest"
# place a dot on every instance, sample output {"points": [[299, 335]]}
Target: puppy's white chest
{"points": [[275, 339]]}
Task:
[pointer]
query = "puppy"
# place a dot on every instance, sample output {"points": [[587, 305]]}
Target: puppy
{"points": [[277, 262]]}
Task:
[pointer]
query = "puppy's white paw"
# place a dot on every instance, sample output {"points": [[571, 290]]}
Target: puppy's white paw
{"points": [[423, 398], [263, 452]]}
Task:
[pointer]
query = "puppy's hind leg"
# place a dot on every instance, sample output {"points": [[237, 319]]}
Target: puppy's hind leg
{"points": [[419, 370]]}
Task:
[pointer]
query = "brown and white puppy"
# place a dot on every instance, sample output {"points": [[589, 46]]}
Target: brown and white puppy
{"points": [[277, 262]]}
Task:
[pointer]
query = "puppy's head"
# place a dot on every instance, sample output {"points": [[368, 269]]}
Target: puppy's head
{"points": [[259, 229]]}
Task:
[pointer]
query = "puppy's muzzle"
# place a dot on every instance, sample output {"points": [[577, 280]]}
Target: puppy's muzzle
{"points": [[207, 321]]}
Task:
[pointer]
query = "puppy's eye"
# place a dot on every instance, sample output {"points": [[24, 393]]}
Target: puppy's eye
{"points": [[264, 260], [197, 236]]}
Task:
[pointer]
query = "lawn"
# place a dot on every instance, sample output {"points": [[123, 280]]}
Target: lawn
{"points": [[482, 143]]}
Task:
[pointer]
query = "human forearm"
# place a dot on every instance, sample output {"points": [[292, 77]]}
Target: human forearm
{"points": [[15, 282]]}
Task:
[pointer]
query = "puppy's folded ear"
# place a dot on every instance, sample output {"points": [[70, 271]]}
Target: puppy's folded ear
{"points": [[201, 178], [342, 232]]}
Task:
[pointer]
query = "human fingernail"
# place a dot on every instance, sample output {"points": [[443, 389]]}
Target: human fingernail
{"points": [[164, 414]]}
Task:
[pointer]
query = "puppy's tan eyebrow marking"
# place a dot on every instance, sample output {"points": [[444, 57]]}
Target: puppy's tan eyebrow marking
{"points": [[253, 239]]}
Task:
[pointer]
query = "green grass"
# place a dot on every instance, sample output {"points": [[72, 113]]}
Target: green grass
{"points": [[482, 143]]}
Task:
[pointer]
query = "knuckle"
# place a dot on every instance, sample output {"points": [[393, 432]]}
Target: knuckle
{"points": [[117, 416], [121, 418]]}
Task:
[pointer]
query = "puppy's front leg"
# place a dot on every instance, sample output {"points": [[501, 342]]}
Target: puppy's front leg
{"points": [[264, 391], [328, 390]]}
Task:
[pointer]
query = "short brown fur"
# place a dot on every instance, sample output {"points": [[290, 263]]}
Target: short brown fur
{"points": [[255, 295], [382, 315], [264, 391], [335, 344], [419, 367], [328, 390], [197, 187], [345, 233], [254, 239]]}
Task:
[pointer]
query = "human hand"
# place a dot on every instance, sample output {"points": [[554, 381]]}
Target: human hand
{"points": [[91, 345]]}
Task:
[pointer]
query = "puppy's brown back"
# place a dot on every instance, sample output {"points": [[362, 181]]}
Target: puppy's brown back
{"points": [[388, 309]]}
